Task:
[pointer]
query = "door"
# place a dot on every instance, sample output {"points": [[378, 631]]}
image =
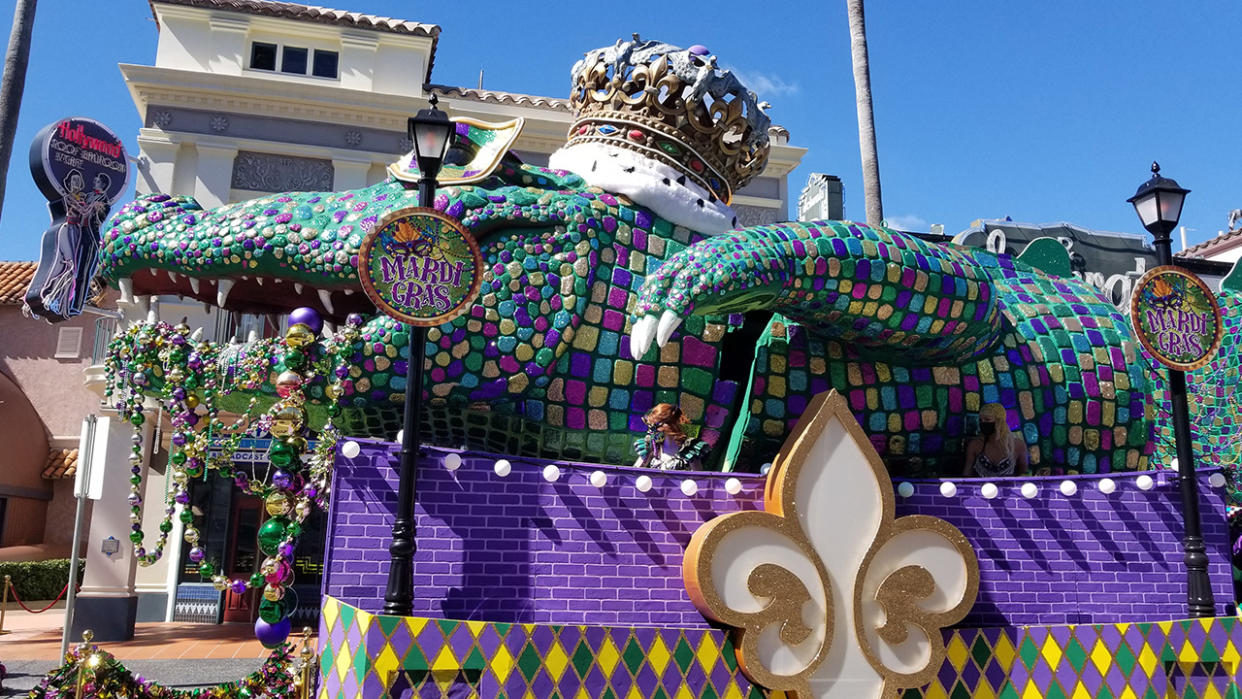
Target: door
{"points": [[243, 557]]}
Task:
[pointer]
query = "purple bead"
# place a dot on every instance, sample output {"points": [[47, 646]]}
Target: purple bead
{"points": [[182, 497], [699, 50], [238, 586], [342, 372], [308, 317], [178, 339], [197, 554], [282, 480], [179, 393], [354, 319], [178, 439], [310, 490], [241, 480], [286, 549]]}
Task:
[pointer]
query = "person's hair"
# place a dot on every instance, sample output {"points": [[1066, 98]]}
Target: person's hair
{"points": [[669, 414], [997, 414], [107, 181], [69, 176]]}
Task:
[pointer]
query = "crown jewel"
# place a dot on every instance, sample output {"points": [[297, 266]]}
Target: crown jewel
{"points": [[673, 105]]}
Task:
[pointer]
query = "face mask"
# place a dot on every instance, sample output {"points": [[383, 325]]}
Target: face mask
{"points": [[987, 428]]}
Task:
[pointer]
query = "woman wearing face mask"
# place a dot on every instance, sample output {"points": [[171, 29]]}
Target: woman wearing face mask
{"points": [[666, 445], [997, 452]]}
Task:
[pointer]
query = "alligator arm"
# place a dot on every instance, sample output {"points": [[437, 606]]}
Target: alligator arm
{"points": [[896, 295]]}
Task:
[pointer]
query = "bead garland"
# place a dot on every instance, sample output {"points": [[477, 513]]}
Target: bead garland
{"points": [[189, 378]]}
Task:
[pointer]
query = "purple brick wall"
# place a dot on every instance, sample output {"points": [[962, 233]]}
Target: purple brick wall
{"points": [[521, 549], [1088, 558]]}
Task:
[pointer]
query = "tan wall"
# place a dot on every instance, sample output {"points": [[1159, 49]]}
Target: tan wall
{"points": [[53, 386]]}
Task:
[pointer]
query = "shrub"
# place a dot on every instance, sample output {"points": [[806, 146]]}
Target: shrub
{"points": [[39, 580]]}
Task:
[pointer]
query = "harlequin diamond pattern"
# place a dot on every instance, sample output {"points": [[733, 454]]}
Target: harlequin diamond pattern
{"points": [[1196, 658], [367, 655]]}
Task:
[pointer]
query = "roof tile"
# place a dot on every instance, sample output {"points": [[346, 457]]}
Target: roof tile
{"points": [[14, 279], [61, 463]]}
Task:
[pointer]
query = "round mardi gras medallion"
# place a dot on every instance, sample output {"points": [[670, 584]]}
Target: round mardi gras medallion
{"points": [[1176, 317], [420, 266]]}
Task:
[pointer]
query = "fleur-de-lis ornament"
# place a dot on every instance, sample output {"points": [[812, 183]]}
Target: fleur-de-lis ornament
{"points": [[832, 597]]}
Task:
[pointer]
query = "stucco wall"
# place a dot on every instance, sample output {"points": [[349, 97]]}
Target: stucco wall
{"points": [[54, 386], [521, 549]]}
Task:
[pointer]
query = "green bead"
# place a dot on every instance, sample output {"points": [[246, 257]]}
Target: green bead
{"points": [[165, 526], [137, 419], [177, 458], [135, 480], [294, 530], [256, 580], [295, 359], [272, 612], [272, 533], [135, 537], [206, 569], [187, 516], [334, 409]]}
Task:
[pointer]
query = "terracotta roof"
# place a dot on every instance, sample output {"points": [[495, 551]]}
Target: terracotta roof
{"points": [[61, 463], [1206, 247], [497, 97], [311, 13], [14, 279]]}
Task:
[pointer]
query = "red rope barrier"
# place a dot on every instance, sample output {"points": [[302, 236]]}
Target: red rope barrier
{"points": [[13, 589]]}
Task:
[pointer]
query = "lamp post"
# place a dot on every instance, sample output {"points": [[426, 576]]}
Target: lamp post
{"points": [[429, 130], [1158, 202]]}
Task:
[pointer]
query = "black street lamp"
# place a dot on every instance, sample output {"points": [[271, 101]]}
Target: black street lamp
{"points": [[1158, 202], [429, 130]]}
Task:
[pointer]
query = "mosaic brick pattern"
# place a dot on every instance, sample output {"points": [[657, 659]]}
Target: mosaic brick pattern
{"points": [[520, 549], [916, 335], [364, 655], [1213, 401]]}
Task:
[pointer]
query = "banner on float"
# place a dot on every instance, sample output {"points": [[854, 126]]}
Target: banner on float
{"points": [[1176, 317]]}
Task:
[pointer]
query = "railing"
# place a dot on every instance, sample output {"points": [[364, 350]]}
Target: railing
{"points": [[105, 328]]}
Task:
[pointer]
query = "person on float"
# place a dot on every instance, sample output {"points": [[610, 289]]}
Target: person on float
{"points": [[666, 445], [996, 452]]}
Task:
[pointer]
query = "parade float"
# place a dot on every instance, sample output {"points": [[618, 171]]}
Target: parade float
{"points": [[830, 548]]}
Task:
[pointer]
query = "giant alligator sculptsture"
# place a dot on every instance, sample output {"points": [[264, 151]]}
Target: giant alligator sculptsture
{"points": [[556, 357]]}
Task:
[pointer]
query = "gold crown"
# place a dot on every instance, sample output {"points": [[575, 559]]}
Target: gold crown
{"points": [[672, 105]]}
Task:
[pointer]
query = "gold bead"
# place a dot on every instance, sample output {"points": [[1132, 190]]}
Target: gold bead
{"points": [[277, 504], [299, 335], [273, 593]]}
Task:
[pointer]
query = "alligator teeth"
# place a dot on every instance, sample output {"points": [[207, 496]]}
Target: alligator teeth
{"points": [[349, 292], [641, 335], [172, 276], [325, 297], [669, 321], [197, 335], [223, 287], [194, 284], [259, 281], [297, 287], [127, 288]]}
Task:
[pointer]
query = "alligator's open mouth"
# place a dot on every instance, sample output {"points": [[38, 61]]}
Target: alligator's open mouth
{"points": [[250, 293]]}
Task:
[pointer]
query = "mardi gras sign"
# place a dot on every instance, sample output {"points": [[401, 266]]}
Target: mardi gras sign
{"points": [[420, 266], [82, 169], [1176, 318]]}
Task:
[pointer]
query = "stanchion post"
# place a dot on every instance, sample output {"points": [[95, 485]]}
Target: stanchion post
{"points": [[4, 605], [308, 657]]}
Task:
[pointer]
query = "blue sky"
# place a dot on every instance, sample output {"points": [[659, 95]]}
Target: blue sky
{"points": [[1048, 111]]}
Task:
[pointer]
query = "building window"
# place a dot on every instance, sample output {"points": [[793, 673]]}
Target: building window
{"points": [[68, 343], [262, 56], [293, 61], [325, 64]]}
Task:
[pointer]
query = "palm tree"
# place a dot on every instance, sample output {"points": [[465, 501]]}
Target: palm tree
{"points": [[14, 83], [866, 117]]}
